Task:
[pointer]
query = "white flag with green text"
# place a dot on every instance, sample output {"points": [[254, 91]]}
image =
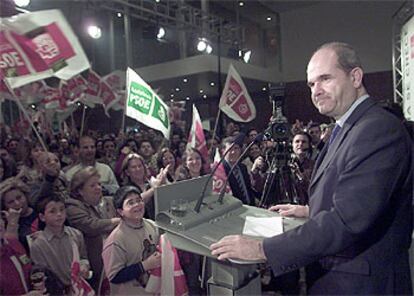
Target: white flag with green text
{"points": [[144, 105]]}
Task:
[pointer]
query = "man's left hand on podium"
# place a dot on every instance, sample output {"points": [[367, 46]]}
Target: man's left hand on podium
{"points": [[238, 247]]}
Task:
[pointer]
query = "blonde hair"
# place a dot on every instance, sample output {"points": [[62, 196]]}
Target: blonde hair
{"points": [[80, 178], [13, 183]]}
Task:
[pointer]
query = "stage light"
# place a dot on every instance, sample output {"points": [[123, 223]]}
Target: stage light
{"points": [[185, 80], [246, 56], [269, 18], [177, 89], [204, 96], [241, 3], [94, 31], [201, 45], [172, 95], [22, 3], [264, 88], [212, 83], [161, 33], [187, 98], [209, 49], [119, 14], [201, 91]]}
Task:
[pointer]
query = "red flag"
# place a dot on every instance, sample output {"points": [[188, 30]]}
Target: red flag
{"points": [[108, 96], [220, 176], [235, 101], [196, 138], [94, 88], [74, 89], [38, 45]]}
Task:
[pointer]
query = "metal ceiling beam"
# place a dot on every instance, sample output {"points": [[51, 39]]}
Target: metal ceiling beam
{"points": [[177, 15]]}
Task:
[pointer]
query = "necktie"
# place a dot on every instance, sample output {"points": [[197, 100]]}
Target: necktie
{"points": [[335, 132], [240, 181]]}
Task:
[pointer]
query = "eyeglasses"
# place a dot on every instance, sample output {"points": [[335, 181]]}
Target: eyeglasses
{"points": [[133, 201]]}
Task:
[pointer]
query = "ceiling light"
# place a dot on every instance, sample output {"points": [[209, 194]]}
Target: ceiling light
{"points": [[161, 33], [172, 95], [187, 98], [241, 3], [204, 96], [201, 91], [269, 18], [94, 31], [209, 49], [201, 45], [158, 1], [172, 100], [33, 106], [119, 14], [264, 88], [22, 3], [185, 80], [212, 83], [177, 89]]}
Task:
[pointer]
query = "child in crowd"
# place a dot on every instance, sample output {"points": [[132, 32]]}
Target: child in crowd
{"points": [[53, 247], [130, 250]]}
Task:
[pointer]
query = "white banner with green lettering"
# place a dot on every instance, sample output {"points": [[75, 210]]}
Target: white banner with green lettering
{"points": [[144, 105]]}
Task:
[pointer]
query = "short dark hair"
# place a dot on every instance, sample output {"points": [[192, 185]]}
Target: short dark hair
{"points": [[348, 58], [122, 193], [45, 200], [303, 134]]}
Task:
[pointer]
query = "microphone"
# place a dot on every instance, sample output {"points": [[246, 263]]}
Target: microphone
{"points": [[258, 138], [200, 199]]}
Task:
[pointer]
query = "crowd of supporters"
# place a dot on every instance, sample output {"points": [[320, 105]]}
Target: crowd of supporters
{"points": [[68, 198]]}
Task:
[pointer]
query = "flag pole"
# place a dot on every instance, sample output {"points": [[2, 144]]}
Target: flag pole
{"points": [[19, 104], [83, 121]]}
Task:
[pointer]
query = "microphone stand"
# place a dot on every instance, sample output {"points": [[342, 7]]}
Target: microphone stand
{"points": [[200, 199], [221, 195]]}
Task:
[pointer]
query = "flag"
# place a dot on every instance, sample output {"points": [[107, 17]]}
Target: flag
{"points": [[220, 176], [196, 138], [145, 106], [94, 88], [109, 98], [235, 101], [38, 45]]}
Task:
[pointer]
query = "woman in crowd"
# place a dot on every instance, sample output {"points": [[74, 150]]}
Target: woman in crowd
{"points": [[14, 262], [166, 159], [135, 173], [82, 213], [192, 167], [13, 193], [31, 170]]}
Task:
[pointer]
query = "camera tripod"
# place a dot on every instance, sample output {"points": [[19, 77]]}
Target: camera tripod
{"points": [[280, 184]]}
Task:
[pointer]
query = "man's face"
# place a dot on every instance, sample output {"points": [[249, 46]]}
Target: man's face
{"points": [[300, 144], [333, 90], [252, 135], [87, 149], [234, 154], [12, 147], [146, 149], [315, 133]]}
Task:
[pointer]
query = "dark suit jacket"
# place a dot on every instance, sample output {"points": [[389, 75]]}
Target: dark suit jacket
{"points": [[359, 231], [236, 190]]}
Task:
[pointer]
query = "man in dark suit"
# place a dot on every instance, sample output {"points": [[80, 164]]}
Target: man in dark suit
{"points": [[239, 180], [358, 234]]}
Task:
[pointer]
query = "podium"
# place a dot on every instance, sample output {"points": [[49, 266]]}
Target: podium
{"points": [[195, 232]]}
